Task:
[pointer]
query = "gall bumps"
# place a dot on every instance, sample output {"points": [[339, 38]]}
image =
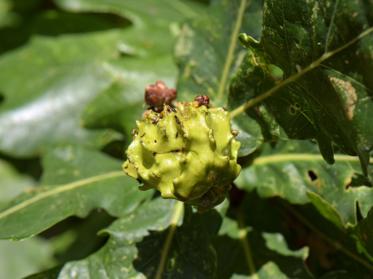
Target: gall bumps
{"points": [[185, 151]]}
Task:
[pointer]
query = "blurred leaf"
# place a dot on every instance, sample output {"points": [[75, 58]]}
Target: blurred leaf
{"points": [[18, 259], [207, 50], [40, 110], [157, 11], [74, 77], [294, 171], [76, 181], [363, 235], [6, 16], [332, 103], [11, 183], [77, 238]]}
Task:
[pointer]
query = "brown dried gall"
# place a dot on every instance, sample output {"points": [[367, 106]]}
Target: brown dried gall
{"points": [[158, 94], [202, 100]]}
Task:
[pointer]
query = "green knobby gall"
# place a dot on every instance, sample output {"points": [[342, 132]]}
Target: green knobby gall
{"points": [[186, 151]]}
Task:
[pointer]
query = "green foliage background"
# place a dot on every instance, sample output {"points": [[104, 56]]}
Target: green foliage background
{"points": [[72, 77]]}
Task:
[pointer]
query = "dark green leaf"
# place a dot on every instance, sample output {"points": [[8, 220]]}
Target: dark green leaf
{"points": [[252, 244], [332, 103], [363, 235]]}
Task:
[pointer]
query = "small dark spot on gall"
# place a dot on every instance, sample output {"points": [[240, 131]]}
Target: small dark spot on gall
{"points": [[177, 120]]}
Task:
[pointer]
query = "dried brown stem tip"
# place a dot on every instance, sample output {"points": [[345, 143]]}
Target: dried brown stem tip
{"points": [[158, 94], [202, 100]]}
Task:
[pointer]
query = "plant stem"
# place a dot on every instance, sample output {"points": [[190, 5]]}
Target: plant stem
{"points": [[252, 102], [337, 245], [176, 216], [246, 245]]}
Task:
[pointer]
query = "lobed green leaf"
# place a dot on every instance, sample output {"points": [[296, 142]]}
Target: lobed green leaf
{"points": [[75, 182]]}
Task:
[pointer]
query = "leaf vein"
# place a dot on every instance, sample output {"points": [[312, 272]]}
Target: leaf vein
{"points": [[231, 48], [60, 189]]}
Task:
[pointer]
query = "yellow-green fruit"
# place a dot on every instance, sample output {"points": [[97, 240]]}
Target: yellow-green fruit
{"points": [[186, 152]]}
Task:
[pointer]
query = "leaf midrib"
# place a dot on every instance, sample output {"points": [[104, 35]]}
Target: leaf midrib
{"points": [[300, 157], [231, 48], [60, 189]]}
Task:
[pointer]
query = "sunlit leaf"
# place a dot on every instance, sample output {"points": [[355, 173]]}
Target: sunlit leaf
{"points": [[332, 103], [75, 181]]}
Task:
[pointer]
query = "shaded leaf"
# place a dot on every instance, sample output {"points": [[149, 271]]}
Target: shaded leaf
{"points": [[299, 175], [251, 244], [12, 183], [19, 259], [75, 181], [363, 235]]}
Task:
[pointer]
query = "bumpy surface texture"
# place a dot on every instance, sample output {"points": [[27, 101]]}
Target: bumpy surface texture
{"points": [[187, 152]]}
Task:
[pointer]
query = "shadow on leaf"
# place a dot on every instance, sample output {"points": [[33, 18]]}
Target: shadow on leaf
{"points": [[190, 253]]}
